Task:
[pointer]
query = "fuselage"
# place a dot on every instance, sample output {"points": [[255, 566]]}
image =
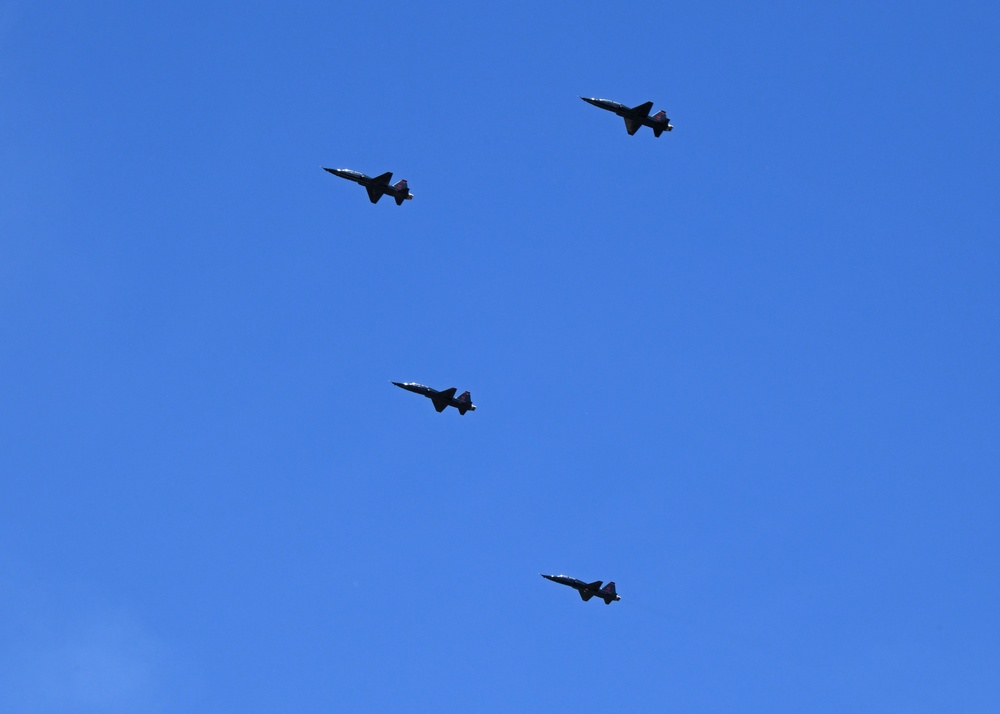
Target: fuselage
{"points": [[619, 109], [636, 115], [369, 182], [567, 580], [352, 175], [416, 388], [432, 393], [582, 587]]}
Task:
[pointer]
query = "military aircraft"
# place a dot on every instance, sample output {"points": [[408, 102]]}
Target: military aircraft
{"points": [[378, 186], [587, 590], [636, 116], [442, 400]]}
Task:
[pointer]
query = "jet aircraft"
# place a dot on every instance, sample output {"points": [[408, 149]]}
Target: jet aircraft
{"points": [[378, 186], [587, 590], [443, 399], [636, 116]]}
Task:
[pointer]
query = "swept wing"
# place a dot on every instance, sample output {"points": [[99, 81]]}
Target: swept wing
{"points": [[443, 399]]}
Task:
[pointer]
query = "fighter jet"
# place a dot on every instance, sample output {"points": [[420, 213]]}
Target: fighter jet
{"points": [[378, 186], [442, 400], [587, 590], [636, 116]]}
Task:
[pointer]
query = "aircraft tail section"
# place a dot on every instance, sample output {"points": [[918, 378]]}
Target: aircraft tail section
{"points": [[661, 118], [402, 192], [608, 593], [464, 402]]}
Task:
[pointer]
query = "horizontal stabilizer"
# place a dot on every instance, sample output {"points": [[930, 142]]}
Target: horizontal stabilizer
{"points": [[384, 178], [373, 194], [399, 200]]}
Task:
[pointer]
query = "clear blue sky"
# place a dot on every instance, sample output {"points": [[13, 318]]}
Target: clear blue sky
{"points": [[748, 370]]}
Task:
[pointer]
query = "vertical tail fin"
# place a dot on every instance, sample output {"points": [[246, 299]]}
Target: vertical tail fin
{"points": [[402, 191], [464, 402], [664, 123], [608, 593]]}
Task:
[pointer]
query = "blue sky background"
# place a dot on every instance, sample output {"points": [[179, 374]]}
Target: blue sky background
{"points": [[747, 370]]}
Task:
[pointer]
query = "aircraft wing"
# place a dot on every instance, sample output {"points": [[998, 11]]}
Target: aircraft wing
{"points": [[643, 109], [585, 595], [631, 126], [373, 194], [441, 399], [387, 176]]}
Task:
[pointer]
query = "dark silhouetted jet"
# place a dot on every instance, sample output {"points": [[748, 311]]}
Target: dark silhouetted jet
{"points": [[376, 187], [587, 590], [636, 116], [442, 399]]}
